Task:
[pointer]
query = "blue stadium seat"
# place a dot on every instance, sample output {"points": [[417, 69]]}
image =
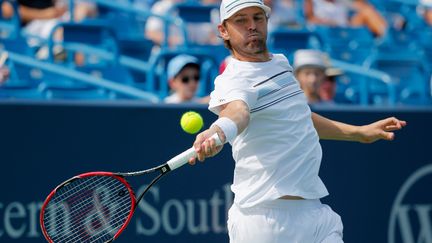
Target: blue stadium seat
{"points": [[131, 40], [10, 27], [23, 82], [23, 77], [84, 94], [18, 45], [54, 80], [349, 89], [353, 45], [192, 13], [20, 93], [287, 41], [95, 39], [409, 73], [55, 86], [354, 56], [352, 37]]}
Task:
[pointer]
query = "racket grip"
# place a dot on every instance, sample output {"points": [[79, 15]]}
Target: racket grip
{"points": [[183, 158]]}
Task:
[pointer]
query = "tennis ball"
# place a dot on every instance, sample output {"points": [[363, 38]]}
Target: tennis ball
{"points": [[191, 122]]}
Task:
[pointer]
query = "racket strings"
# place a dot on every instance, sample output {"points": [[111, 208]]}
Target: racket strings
{"points": [[61, 198], [115, 225], [97, 213], [78, 192], [91, 209]]}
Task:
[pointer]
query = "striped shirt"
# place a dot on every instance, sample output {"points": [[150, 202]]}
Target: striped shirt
{"points": [[279, 152]]}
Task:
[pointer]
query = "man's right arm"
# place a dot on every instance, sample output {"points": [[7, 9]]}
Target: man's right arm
{"points": [[238, 112]]}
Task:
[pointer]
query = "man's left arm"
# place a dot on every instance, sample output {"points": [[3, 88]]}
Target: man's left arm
{"points": [[334, 130]]}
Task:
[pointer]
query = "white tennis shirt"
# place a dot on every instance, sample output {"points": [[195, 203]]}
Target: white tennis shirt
{"points": [[279, 152]]}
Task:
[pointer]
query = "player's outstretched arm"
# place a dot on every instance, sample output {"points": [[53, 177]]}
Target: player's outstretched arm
{"points": [[236, 111], [334, 130]]}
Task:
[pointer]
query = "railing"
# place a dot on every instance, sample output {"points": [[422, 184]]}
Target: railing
{"points": [[370, 73], [84, 77]]}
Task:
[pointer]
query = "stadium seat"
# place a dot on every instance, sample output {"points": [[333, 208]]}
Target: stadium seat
{"points": [[349, 36], [354, 56], [349, 44], [287, 41], [56, 77], [10, 27], [349, 89], [18, 45], [22, 83], [23, 77], [94, 39], [84, 94], [409, 72], [192, 14], [131, 40], [20, 93]]}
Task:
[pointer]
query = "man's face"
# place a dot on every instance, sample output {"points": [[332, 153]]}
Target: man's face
{"points": [[186, 83], [247, 31], [310, 78]]}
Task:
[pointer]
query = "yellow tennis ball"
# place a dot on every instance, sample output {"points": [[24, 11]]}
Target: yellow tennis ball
{"points": [[191, 122]]}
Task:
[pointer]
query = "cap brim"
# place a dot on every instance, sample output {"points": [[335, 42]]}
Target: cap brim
{"points": [[266, 9], [333, 72]]}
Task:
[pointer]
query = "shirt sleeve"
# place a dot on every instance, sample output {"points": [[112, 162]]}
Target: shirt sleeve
{"points": [[221, 96]]}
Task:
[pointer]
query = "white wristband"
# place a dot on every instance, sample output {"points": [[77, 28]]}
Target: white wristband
{"points": [[228, 127]]}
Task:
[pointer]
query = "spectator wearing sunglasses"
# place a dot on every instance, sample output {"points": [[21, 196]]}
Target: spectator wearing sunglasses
{"points": [[183, 79]]}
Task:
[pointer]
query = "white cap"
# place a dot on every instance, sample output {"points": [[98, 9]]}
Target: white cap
{"points": [[229, 7], [310, 58], [176, 65], [316, 59]]}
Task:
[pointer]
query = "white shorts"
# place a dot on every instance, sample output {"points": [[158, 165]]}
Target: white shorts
{"points": [[285, 221]]}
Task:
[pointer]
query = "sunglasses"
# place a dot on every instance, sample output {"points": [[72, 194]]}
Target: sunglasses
{"points": [[186, 79]]}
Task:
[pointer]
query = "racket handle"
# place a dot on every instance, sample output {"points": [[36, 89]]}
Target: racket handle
{"points": [[183, 158]]}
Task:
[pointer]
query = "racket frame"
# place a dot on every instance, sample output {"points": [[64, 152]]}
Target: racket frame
{"points": [[172, 164]]}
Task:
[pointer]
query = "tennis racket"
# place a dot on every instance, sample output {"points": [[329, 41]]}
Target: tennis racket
{"points": [[97, 206]]}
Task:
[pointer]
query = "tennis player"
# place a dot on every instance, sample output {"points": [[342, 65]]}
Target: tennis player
{"points": [[274, 135]]}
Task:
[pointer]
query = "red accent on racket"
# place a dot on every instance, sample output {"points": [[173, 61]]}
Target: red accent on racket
{"points": [[97, 206]]}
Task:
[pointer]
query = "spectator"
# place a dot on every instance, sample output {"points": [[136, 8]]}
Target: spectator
{"points": [[154, 29], [338, 13], [39, 17], [309, 69], [327, 89], [315, 75], [183, 79]]}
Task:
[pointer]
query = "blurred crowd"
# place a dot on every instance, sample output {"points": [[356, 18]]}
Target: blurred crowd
{"points": [[312, 67]]}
